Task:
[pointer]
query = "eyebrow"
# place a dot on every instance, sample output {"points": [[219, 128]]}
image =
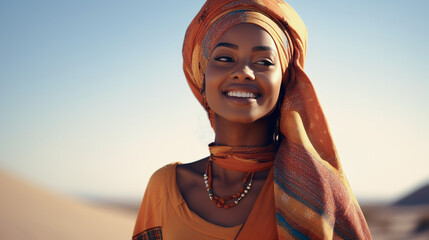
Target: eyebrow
{"points": [[262, 48], [235, 47], [228, 45]]}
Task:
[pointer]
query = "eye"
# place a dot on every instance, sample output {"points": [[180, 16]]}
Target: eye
{"points": [[224, 59], [265, 62]]}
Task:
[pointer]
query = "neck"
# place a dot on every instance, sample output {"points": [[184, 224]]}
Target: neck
{"points": [[258, 133]]}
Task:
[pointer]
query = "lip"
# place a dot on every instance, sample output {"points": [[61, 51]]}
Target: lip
{"points": [[240, 100]]}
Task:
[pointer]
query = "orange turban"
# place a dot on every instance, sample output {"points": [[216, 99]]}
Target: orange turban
{"points": [[312, 195]]}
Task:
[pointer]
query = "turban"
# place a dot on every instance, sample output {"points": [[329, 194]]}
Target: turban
{"points": [[312, 196]]}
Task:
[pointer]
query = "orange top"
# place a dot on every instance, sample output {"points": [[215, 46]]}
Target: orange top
{"points": [[164, 212]]}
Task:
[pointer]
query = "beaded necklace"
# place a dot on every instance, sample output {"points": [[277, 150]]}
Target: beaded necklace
{"points": [[223, 202], [243, 159]]}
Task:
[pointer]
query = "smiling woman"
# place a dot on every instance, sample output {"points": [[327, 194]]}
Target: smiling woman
{"points": [[273, 171]]}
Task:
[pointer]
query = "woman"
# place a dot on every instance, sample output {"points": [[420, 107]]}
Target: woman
{"points": [[273, 171]]}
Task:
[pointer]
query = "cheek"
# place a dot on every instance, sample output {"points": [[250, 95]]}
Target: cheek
{"points": [[213, 71], [212, 84], [211, 88], [214, 77], [273, 85]]}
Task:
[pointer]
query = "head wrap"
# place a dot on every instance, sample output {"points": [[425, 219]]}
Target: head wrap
{"points": [[312, 196]]}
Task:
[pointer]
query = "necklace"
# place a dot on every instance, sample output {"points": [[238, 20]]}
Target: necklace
{"points": [[231, 200], [242, 159]]}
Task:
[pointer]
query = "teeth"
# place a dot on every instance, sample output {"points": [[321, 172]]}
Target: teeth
{"points": [[241, 94]]}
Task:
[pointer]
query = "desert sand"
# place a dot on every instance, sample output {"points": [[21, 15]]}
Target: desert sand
{"points": [[28, 211]]}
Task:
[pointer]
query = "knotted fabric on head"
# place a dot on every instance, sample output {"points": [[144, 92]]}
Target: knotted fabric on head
{"points": [[312, 196]]}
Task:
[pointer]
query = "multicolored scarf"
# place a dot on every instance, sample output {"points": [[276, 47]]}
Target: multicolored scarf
{"points": [[312, 195]]}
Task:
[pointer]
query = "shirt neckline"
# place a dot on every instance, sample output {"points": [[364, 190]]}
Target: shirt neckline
{"points": [[192, 219]]}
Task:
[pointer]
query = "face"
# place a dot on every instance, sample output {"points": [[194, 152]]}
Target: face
{"points": [[243, 75]]}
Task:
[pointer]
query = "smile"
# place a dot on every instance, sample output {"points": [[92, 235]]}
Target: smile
{"points": [[240, 94]]}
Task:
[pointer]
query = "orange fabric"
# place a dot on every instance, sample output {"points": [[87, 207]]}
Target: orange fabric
{"points": [[243, 159], [312, 195], [163, 206]]}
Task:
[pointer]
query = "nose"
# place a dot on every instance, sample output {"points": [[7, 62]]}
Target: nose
{"points": [[243, 72]]}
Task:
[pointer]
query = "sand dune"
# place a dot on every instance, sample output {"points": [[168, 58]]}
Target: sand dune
{"points": [[31, 212], [388, 222], [419, 196], [406, 219]]}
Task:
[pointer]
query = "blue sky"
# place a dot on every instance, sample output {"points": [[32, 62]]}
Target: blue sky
{"points": [[93, 98]]}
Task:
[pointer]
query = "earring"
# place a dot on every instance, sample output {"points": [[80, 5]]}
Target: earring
{"points": [[277, 136]]}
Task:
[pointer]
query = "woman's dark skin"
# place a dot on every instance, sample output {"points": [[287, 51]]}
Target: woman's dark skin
{"points": [[251, 68]]}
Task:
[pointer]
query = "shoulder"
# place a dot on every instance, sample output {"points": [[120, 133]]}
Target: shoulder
{"points": [[155, 197], [158, 185], [160, 178], [161, 174]]}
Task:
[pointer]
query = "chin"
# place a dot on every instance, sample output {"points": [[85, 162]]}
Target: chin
{"points": [[242, 118]]}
